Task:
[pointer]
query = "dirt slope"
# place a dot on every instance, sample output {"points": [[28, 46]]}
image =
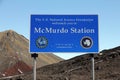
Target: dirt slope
{"points": [[107, 67], [15, 47]]}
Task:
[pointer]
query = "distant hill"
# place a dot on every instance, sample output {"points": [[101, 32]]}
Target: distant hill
{"points": [[107, 67], [14, 48]]}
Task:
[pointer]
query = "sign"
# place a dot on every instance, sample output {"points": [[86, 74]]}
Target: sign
{"points": [[64, 33]]}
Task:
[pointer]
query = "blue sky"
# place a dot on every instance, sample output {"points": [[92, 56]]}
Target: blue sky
{"points": [[15, 15]]}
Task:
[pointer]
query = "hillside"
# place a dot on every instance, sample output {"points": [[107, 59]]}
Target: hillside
{"points": [[14, 48], [107, 67]]}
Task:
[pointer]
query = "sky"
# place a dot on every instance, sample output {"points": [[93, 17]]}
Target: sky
{"points": [[15, 15]]}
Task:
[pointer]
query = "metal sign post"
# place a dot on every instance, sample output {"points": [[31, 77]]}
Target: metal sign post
{"points": [[34, 69], [93, 68], [64, 33]]}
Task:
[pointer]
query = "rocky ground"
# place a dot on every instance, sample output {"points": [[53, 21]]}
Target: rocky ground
{"points": [[14, 48], [107, 62], [107, 67]]}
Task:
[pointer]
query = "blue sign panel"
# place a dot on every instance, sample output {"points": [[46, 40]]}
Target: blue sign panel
{"points": [[64, 33]]}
